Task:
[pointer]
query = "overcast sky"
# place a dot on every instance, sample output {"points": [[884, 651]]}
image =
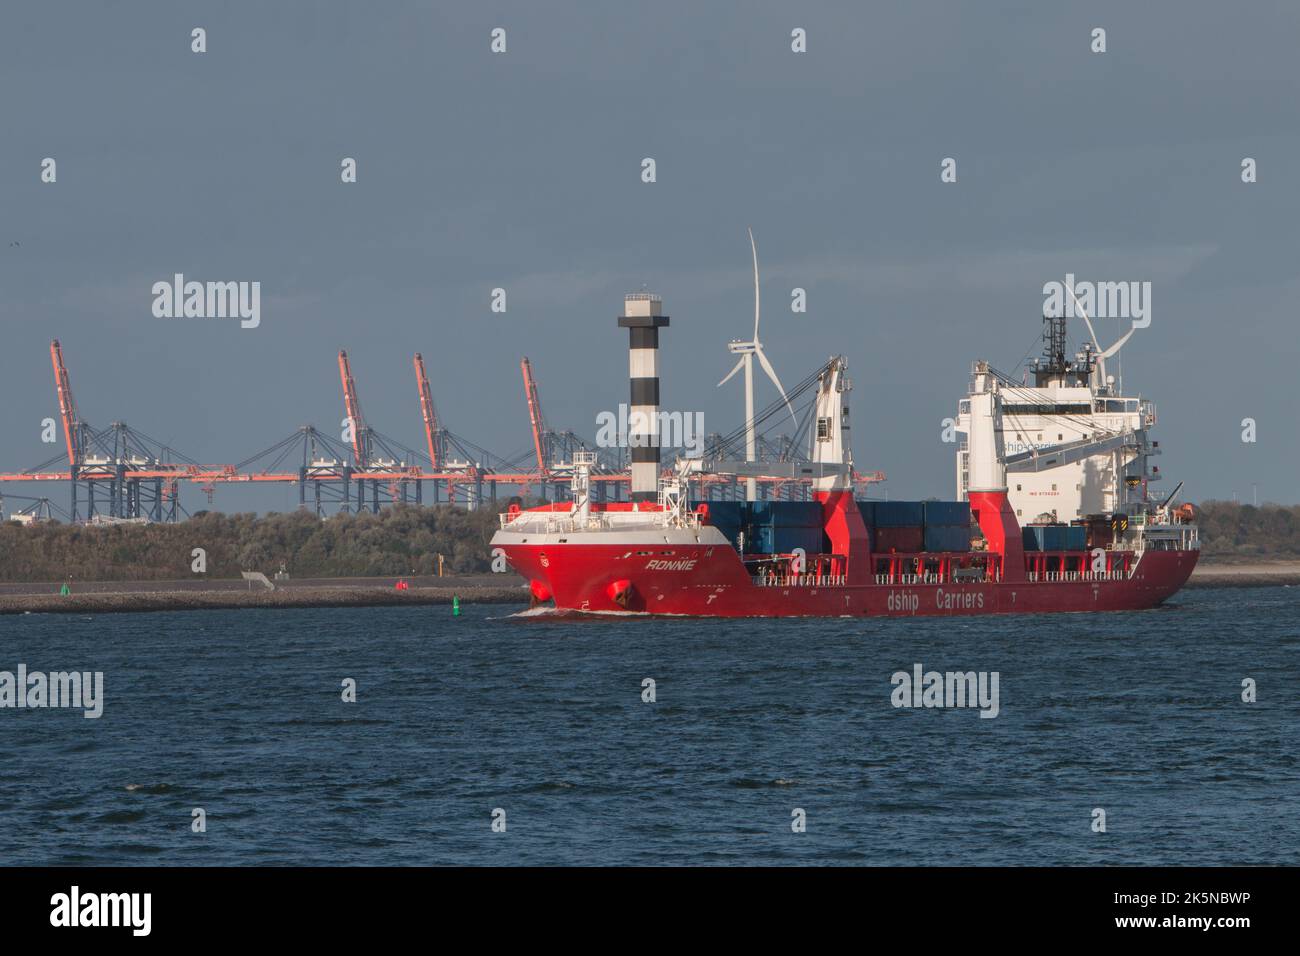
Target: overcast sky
{"points": [[523, 170]]}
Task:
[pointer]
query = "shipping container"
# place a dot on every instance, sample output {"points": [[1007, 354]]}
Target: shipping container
{"points": [[898, 514], [786, 540], [727, 516], [903, 540], [1051, 537], [723, 512], [1076, 538], [939, 538], [947, 514], [868, 511], [792, 514]]}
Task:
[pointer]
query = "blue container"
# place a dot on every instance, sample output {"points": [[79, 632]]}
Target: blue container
{"points": [[723, 512], [947, 514], [898, 514], [785, 540], [1050, 537], [796, 514], [727, 516], [758, 512], [1076, 538], [939, 538]]}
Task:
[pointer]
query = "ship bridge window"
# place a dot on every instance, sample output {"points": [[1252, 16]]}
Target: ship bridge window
{"points": [[1045, 408]]}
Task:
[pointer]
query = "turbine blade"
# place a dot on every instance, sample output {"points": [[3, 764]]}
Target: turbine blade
{"points": [[771, 373], [1120, 344], [739, 366], [1086, 320], [754, 249]]}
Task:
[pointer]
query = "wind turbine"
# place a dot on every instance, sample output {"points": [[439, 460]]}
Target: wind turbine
{"points": [[1102, 355], [747, 350]]}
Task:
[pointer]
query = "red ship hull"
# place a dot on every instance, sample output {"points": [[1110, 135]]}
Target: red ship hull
{"points": [[712, 581]]}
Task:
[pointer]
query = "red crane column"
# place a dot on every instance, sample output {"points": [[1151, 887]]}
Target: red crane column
{"points": [[360, 437], [360, 454], [67, 405], [71, 426], [426, 409], [535, 417]]}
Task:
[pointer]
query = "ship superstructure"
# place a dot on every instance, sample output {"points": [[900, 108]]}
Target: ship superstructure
{"points": [[1074, 444]]}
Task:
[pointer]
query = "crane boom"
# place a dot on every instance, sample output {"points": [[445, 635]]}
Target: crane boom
{"points": [[67, 406], [535, 416], [427, 410], [353, 407]]}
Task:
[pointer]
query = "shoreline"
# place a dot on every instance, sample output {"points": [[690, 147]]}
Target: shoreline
{"points": [[106, 597], [1246, 575]]}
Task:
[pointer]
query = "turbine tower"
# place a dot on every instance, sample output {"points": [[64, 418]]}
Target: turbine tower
{"points": [[747, 350]]}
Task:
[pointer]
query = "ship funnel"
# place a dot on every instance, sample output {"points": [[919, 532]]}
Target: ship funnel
{"points": [[643, 318]]}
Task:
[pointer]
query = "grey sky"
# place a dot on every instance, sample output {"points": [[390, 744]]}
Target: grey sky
{"points": [[522, 170]]}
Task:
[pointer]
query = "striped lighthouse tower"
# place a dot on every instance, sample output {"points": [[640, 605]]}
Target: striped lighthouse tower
{"points": [[643, 318]]}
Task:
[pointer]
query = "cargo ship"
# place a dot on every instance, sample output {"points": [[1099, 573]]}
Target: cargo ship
{"points": [[663, 553]]}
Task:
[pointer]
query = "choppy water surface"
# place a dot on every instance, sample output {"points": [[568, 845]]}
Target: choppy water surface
{"points": [[239, 712]]}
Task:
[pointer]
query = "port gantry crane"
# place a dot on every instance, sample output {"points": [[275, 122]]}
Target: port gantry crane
{"points": [[138, 475], [120, 473]]}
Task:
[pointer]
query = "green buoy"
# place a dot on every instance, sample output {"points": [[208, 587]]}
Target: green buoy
{"points": [[455, 605], [65, 590]]}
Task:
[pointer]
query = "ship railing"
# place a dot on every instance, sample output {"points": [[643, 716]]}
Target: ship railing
{"points": [[557, 524], [591, 523], [931, 579], [800, 580], [1117, 575]]}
